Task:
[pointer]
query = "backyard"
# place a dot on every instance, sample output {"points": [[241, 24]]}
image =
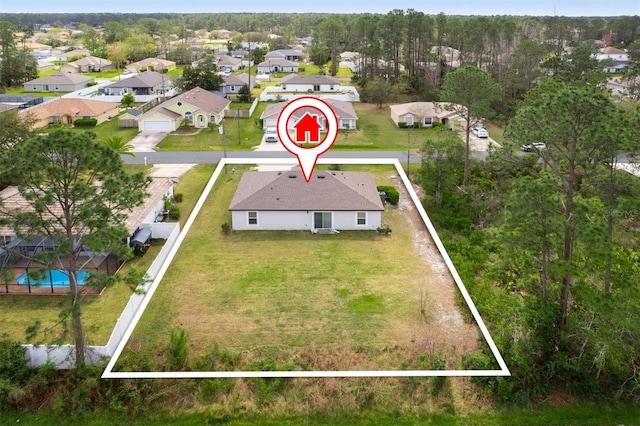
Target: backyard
{"points": [[351, 301], [100, 312]]}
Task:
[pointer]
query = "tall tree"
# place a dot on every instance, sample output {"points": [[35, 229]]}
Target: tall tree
{"points": [[332, 32], [205, 75], [574, 121], [471, 92], [440, 169], [79, 196]]}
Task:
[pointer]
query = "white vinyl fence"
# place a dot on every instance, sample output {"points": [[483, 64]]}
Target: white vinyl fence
{"points": [[63, 356]]}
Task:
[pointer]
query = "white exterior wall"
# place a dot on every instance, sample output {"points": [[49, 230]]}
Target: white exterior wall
{"points": [[302, 220]]}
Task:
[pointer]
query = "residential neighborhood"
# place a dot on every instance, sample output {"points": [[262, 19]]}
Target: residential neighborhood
{"points": [[465, 252]]}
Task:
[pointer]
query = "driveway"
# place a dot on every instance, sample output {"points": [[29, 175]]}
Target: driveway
{"points": [[147, 141], [269, 146]]}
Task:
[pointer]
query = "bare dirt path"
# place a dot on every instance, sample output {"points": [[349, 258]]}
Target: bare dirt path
{"points": [[451, 334]]}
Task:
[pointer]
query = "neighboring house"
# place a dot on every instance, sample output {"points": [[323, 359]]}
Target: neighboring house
{"points": [[310, 83], [197, 105], [277, 65], [247, 79], [146, 83], [88, 64], [222, 33], [426, 114], [21, 101], [344, 111], [152, 64], [284, 201], [65, 56], [227, 64], [616, 59], [45, 66], [62, 82], [288, 54], [624, 86], [305, 40], [129, 118], [232, 84], [240, 53], [68, 110]]}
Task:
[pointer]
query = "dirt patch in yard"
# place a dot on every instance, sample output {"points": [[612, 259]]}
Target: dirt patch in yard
{"points": [[450, 328]]}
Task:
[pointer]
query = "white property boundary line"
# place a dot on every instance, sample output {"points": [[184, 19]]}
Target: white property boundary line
{"points": [[110, 374]]}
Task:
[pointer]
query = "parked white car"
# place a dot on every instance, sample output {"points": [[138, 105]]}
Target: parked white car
{"points": [[480, 132], [536, 146], [271, 135]]}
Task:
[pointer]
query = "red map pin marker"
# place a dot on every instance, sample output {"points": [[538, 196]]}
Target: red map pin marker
{"points": [[307, 131]]}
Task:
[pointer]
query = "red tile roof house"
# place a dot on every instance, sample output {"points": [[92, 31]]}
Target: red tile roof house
{"points": [[63, 82], [345, 113], [68, 110], [284, 201], [197, 105]]}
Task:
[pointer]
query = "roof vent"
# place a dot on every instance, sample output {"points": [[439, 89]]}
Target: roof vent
{"points": [[292, 176], [320, 176]]}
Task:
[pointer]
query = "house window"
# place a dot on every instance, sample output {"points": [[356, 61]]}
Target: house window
{"points": [[179, 103], [188, 116], [361, 218], [345, 124], [4, 240], [213, 119], [252, 218], [428, 121], [316, 88], [408, 119], [322, 220], [233, 88], [56, 119]]}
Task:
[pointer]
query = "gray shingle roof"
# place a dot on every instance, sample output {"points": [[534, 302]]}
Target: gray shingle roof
{"points": [[145, 79], [342, 109], [288, 191], [61, 78], [309, 79]]}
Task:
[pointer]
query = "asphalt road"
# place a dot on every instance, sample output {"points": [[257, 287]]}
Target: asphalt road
{"points": [[215, 156]]}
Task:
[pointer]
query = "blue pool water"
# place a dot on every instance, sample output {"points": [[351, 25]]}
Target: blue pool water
{"points": [[54, 277]]}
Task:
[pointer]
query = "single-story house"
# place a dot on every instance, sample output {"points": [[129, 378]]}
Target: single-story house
{"points": [[284, 201], [65, 56], [152, 64], [88, 64], [228, 63], [197, 105], [310, 83], [68, 110], [277, 65], [129, 118], [305, 40], [288, 54], [232, 84], [45, 65], [62, 82], [239, 53], [21, 101], [145, 83], [425, 113], [344, 111], [624, 86]]}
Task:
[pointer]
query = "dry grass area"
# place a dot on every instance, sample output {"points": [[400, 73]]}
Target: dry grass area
{"points": [[355, 300]]}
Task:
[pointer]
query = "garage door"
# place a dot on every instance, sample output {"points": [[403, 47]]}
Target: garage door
{"points": [[156, 126], [271, 122]]}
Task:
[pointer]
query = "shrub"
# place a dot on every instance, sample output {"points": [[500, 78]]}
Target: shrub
{"points": [[334, 167], [178, 350], [174, 213], [91, 83], [226, 228], [402, 125], [177, 197], [85, 122], [384, 229], [392, 195]]}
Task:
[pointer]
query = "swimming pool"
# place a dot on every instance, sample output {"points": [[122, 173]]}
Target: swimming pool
{"points": [[55, 278]]}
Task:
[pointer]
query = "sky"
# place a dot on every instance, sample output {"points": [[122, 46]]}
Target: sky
{"points": [[449, 7]]}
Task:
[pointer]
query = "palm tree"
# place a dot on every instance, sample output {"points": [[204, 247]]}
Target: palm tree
{"points": [[119, 145]]}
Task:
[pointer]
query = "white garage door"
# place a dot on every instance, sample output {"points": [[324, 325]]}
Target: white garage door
{"points": [[271, 122], [156, 126]]}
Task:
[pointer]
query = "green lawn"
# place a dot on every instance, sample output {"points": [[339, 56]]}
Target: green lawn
{"points": [[292, 293], [20, 91], [108, 129], [375, 131], [104, 74]]}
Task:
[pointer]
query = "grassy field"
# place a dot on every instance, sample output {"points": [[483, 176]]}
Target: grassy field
{"points": [[108, 129], [346, 301], [101, 312]]}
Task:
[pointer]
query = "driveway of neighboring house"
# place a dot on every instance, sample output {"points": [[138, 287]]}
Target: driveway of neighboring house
{"points": [[479, 144], [147, 141], [269, 146]]}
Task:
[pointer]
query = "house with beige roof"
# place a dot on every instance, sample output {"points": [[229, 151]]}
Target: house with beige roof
{"points": [[345, 113], [425, 114], [331, 200], [62, 82], [197, 105], [68, 110], [152, 64], [88, 64]]}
